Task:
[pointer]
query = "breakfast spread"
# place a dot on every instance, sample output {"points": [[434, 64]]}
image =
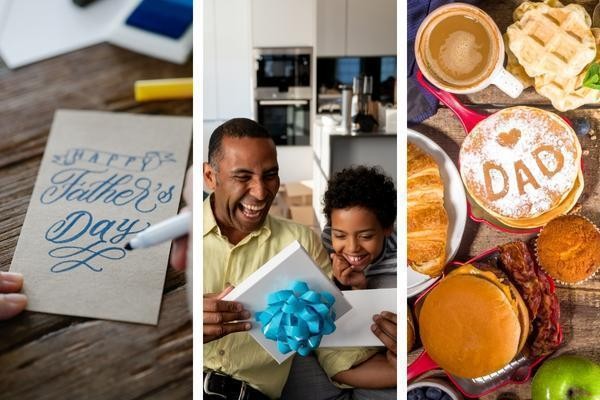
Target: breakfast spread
{"points": [[481, 316], [520, 163], [568, 249], [489, 321], [427, 219]]}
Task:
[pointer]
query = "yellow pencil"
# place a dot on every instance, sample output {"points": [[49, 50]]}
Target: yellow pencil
{"points": [[163, 89]]}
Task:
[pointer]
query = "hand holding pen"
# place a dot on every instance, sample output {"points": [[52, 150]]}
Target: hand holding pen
{"points": [[176, 228]]}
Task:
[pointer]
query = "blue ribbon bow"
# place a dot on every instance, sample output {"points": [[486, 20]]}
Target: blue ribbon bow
{"points": [[297, 318]]}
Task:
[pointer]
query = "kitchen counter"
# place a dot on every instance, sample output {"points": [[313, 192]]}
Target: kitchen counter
{"points": [[332, 122]]}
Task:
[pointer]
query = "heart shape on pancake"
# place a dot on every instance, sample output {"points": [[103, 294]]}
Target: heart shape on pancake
{"points": [[509, 139]]}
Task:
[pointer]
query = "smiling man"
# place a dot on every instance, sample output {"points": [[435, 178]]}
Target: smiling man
{"points": [[239, 237]]}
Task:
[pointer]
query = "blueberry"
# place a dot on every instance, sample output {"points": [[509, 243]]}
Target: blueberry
{"points": [[416, 394], [581, 126], [446, 397], [433, 393]]}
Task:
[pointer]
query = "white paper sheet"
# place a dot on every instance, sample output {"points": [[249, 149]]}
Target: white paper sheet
{"points": [[34, 30], [354, 328]]}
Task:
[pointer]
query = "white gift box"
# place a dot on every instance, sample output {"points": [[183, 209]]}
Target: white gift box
{"points": [[354, 308], [291, 264]]}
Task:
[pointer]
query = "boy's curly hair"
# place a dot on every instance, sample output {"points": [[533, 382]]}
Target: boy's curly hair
{"points": [[361, 186]]}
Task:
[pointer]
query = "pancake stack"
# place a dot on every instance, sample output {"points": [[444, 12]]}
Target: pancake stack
{"points": [[522, 166]]}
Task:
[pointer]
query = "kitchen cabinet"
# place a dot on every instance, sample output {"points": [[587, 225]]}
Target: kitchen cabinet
{"points": [[226, 84], [356, 28], [283, 23], [331, 28]]}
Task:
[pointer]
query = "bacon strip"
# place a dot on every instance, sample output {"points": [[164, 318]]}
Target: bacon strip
{"points": [[535, 289]]}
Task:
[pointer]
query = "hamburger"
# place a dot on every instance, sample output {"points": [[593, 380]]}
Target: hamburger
{"points": [[481, 316]]}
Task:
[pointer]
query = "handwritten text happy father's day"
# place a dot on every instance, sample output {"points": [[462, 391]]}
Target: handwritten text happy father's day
{"points": [[86, 177]]}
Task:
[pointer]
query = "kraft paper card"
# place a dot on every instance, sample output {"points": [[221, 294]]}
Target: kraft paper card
{"points": [[104, 177], [354, 328], [291, 264]]}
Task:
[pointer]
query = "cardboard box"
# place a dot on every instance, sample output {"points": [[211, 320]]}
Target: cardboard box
{"points": [[279, 208], [303, 215], [297, 194]]}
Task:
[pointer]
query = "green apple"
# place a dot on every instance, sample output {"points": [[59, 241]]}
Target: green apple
{"points": [[567, 377]]}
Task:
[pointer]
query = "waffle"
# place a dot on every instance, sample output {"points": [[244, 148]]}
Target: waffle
{"points": [[566, 92], [513, 66], [549, 40], [529, 5]]}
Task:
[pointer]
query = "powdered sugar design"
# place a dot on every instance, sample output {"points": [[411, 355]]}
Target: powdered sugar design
{"points": [[536, 130]]}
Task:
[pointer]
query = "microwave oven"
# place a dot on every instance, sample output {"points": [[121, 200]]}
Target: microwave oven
{"points": [[283, 73]]}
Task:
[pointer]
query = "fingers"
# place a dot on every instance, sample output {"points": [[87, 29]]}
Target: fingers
{"points": [[344, 273], [353, 278], [178, 259], [390, 316], [221, 317], [387, 325], [389, 340], [11, 304], [214, 305], [339, 265], [212, 332], [10, 282], [219, 314]]}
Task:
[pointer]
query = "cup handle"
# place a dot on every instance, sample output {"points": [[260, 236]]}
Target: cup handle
{"points": [[507, 82]]}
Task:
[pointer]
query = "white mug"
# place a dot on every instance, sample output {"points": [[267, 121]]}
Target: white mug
{"points": [[494, 73]]}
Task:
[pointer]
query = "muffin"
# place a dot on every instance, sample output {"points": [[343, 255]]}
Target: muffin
{"points": [[568, 249]]}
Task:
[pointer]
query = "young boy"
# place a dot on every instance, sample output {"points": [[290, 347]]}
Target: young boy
{"points": [[360, 206]]}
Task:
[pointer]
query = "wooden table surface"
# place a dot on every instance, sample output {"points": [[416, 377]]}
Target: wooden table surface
{"points": [[44, 356], [580, 305]]}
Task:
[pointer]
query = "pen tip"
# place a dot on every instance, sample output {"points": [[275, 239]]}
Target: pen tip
{"points": [[128, 247]]}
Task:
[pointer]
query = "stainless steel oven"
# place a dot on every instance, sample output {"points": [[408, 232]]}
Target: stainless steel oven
{"points": [[283, 93], [283, 73], [288, 121]]}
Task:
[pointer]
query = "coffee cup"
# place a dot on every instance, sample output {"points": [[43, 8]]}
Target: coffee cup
{"points": [[459, 49]]}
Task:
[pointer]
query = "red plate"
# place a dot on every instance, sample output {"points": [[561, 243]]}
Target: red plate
{"points": [[517, 371]]}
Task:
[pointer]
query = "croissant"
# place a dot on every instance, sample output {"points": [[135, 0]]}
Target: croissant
{"points": [[427, 220]]}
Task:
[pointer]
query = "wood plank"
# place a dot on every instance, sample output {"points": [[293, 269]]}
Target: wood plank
{"points": [[96, 359]]}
